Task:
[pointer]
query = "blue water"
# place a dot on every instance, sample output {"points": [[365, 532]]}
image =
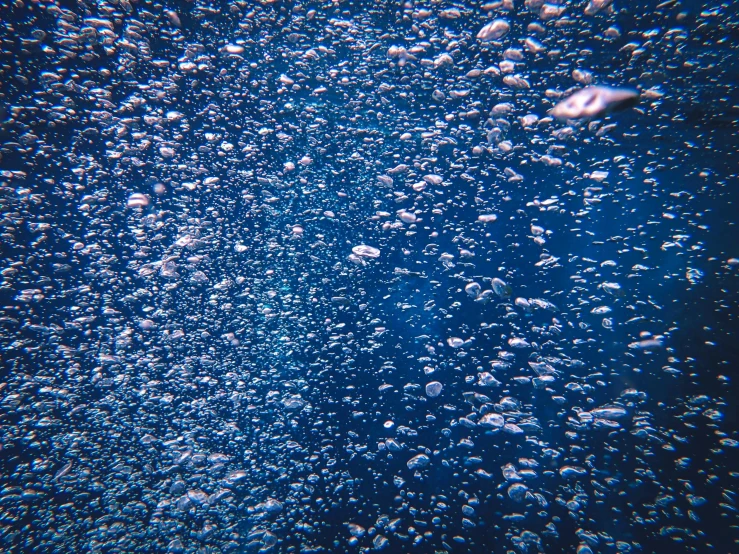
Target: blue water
{"points": [[213, 372]]}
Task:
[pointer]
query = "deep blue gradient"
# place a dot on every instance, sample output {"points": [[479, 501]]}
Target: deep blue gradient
{"points": [[214, 372]]}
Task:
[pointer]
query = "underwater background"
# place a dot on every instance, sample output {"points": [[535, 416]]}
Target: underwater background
{"points": [[338, 276]]}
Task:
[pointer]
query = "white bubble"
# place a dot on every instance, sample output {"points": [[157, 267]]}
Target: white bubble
{"points": [[366, 251], [494, 30], [492, 421], [418, 462], [234, 49], [455, 342], [433, 389], [138, 200], [407, 217]]}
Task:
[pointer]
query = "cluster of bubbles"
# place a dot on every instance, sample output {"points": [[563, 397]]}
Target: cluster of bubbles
{"points": [[338, 277]]}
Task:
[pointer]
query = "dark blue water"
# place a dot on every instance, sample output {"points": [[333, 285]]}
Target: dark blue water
{"points": [[213, 372]]}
